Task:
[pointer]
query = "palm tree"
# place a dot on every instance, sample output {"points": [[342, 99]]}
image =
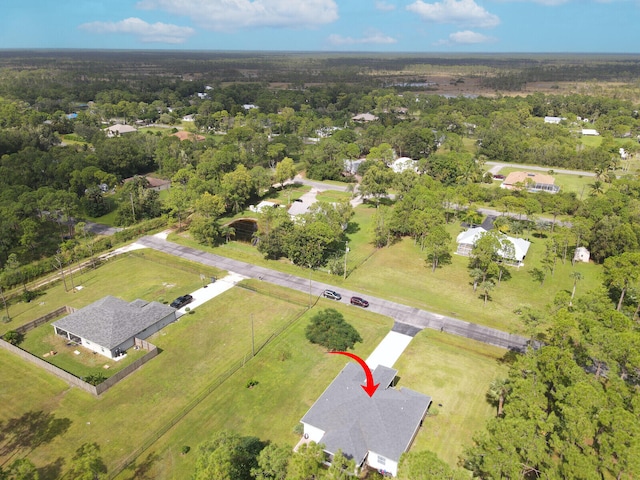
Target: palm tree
{"points": [[476, 274], [597, 188], [498, 390], [577, 276], [486, 287], [228, 232]]}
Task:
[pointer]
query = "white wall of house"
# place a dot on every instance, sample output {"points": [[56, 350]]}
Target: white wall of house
{"points": [[314, 433], [380, 462]]}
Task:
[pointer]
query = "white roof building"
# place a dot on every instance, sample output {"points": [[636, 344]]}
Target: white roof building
{"points": [[119, 129], [553, 120], [466, 240], [404, 163], [364, 117], [592, 132]]}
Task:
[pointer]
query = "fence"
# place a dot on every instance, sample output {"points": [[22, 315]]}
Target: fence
{"points": [[58, 372], [78, 382], [44, 319], [200, 397]]}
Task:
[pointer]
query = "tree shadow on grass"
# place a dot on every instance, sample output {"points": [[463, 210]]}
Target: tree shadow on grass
{"points": [[30, 430], [51, 471], [142, 470], [352, 227]]}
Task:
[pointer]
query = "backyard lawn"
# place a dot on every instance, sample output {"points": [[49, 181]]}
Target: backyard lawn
{"points": [[456, 373]]}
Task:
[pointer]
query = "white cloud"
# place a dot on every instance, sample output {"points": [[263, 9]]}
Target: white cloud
{"points": [[460, 12], [147, 32], [371, 37], [384, 6], [228, 15], [467, 37]]}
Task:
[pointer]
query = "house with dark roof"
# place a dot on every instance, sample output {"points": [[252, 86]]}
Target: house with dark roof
{"points": [[110, 325], [374, 430]]}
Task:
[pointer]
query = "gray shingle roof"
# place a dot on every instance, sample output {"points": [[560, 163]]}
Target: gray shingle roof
{"points": [[111, 321], [356, 423]]}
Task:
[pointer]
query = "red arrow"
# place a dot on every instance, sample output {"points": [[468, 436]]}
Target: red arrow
{"points": [[370, 388]]}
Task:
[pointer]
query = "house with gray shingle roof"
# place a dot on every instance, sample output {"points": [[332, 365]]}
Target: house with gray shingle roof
{"points": [[110, 325], [375, 430]]}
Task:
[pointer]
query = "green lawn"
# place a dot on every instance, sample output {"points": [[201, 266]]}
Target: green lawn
{"points": [[108, 219], [143, 274], [291, 374], [333, 196], [42, 341], [195, 351], [400, 273], [456, 373]]}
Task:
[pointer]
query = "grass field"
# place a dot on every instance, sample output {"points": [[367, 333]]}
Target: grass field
{"points": [[456, 373], [141, 274], [400, 273]]}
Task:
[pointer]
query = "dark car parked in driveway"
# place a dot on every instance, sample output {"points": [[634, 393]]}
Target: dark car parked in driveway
{"points": [[332, 295], [182, 301], [360, 302]]}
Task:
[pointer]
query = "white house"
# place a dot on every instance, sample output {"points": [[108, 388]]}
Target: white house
{"points": [[110, 325], [404, 163], [590, 132], [581, 255], [553, 120], [467, 239], [374, 430]]}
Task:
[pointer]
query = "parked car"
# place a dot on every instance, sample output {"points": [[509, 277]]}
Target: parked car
{"points": [[332, 295], [498, 177], [182, 301], [359, 302], [298, 200]]}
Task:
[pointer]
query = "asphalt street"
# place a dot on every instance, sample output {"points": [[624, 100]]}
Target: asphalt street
{"points": [[407, 319]]}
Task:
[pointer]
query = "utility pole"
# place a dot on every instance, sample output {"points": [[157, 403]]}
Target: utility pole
{"points": [[253, 344], [309, 286], [346, 250]]}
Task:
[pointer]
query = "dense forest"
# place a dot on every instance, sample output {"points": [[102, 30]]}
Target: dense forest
{"points": [[567, 410]]}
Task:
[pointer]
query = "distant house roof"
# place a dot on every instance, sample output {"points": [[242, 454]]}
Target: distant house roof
{"points": [[524, 178], [119, 129], [184, 135], [471, 236], [352, 166], [404, 163], [355, 423], [152, 181], [554, 120], [590, 132], [111, 321], [364, 117], [249, 106]]}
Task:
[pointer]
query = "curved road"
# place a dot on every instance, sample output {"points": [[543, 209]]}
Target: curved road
{"points": [[408, 320]]}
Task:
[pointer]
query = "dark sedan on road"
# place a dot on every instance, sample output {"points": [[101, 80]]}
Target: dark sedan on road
{"points": [[359, 302], [182, 301], [332, 295]]}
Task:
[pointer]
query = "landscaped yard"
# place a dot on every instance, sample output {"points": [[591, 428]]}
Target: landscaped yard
{"points": [[568, 183]]}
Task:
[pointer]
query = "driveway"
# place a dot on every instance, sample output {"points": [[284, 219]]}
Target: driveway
{"points": [[389, 350], [211, 290], [402, 314]]}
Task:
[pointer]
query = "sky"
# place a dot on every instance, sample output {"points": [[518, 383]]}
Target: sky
{"points": [[581, 26]]}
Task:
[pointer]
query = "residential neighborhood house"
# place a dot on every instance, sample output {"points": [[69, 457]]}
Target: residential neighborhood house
{"points": [[119, 129], [466, 240], [374, 430], [110, 325], [184, 135], [364, 117], [533, 182], [153, 183]]}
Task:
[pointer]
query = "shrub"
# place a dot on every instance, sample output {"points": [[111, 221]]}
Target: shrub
{"points": [[329, 329], [185, 449], [95, 379], [252, 383], [13, 337]]}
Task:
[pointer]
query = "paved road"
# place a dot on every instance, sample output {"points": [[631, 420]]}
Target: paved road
{"points": [[407, 319], [497, 166]]}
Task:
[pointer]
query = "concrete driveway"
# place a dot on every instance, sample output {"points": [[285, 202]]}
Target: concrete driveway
{"points": [[389, 350], [211, 290]]}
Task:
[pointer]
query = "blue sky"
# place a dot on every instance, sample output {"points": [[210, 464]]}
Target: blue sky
{"points": [[607, 26]]}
